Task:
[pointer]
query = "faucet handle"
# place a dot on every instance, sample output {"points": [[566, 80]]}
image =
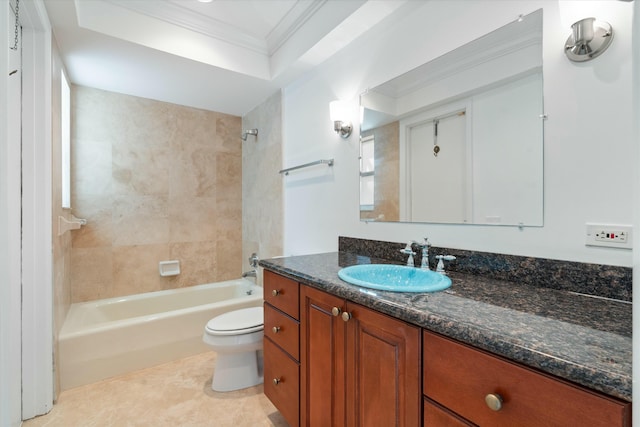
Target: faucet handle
{"points": [[253, 260], [408, 250], [440, 266]]}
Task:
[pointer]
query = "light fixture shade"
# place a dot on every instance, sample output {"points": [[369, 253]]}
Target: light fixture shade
{"points": [[338, 111], [339, 114]]}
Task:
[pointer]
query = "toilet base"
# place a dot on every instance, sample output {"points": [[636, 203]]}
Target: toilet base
{"points": [[235, 371]]}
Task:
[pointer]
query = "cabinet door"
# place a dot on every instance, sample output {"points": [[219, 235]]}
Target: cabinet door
{"points": [[383, 370], [281, 382], [322, 349]]}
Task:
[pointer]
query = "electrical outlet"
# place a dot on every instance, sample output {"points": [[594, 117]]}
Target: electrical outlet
{"points": [[613, 236]]}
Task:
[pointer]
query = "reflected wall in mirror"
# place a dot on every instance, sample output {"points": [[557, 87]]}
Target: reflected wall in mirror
{"points": [[459, 139]]}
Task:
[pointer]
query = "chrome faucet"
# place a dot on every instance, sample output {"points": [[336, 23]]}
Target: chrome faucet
{"points": [[253, 262], [408, 250], [424, 264]]}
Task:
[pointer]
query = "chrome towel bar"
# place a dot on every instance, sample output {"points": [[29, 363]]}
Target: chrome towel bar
{"points": [[328, 162]]}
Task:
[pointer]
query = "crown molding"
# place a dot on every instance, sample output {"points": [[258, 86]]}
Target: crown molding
{"points": [[193, 21]]}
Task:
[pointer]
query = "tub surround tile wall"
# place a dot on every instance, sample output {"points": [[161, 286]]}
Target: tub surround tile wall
{"points": [[156, 182], [593, 279], [262, 214]]}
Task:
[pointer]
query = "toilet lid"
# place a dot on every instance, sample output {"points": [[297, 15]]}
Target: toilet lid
{"points": [[243, 321]]}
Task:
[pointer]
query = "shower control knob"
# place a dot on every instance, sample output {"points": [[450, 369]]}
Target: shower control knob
{"points": [[276, 381], [335, 311], [275, 292], [275, 329]]}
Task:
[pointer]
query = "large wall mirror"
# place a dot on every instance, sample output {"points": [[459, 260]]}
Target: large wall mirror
{"points": [[459, 139]]}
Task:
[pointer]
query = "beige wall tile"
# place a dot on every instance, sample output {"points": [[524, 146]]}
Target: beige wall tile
{"points": [[193, 219], [98, 232], [228, 132], [61, 245], [140, 220], [92, 276], [193, 171], [198, 262], [147, 177], [135, 269], [91, 173], [262, 203], [141, 168]]}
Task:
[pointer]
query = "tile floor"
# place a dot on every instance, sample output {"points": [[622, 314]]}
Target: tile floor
{"points": [[174, 394]]}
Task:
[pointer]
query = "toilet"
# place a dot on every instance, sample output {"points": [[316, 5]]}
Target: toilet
{"points": [[236, 337]]}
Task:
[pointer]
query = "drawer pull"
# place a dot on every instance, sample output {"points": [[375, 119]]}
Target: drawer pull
{"points": [[275, 292], [346, 316], [493, 401], [276, 381], [336, 311], [275, 329]]}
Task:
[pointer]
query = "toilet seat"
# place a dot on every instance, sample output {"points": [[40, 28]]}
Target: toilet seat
{"points": [[243, 321]]}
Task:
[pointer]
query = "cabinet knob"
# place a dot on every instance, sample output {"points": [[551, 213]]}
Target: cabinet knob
{"points": [[275, 329], [276, 381], [275, 292], [346, 316], [493, 401], [336, 311]]}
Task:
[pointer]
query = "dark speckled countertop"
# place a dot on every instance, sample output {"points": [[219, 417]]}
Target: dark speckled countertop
{"points": [[584, 339]]}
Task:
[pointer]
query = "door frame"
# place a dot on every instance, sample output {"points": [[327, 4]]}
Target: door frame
{"points": [[37, 255], [405, 126]]}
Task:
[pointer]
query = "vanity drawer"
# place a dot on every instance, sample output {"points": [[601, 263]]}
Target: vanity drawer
{"points": [[281, 293], [459, 378], [283, 330], [281, 382]]}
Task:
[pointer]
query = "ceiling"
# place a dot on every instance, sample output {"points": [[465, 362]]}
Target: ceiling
{"points": [[223, 55]]}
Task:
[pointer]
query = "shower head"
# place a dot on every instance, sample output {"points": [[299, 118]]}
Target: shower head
{"points": [[246, 132]]}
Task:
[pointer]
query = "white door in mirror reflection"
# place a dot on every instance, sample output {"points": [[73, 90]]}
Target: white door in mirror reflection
{"points": [[438, 186]]}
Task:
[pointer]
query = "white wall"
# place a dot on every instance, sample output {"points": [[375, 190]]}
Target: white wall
{"points": [[10, 382], [636, 215], [588, 138], [37, 286]]}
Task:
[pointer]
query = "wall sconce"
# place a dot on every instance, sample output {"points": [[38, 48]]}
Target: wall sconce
{"points": [[589, 38], [338, 111]]}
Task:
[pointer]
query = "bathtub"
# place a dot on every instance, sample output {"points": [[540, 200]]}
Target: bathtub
{"points": [[100, 339]]}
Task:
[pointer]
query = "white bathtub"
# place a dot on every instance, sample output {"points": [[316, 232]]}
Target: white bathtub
{"points": [[100, 339]]}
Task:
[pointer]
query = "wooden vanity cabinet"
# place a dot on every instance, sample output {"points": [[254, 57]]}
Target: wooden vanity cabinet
{"points": [[462, 380], [332, 362], [281, 345], [358, 367]]}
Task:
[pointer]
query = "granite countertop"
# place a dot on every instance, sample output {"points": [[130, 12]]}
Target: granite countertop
{"points": [[584, 339]]}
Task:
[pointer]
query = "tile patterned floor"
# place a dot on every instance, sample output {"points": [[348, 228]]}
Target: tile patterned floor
{"points": [[174, 394]]}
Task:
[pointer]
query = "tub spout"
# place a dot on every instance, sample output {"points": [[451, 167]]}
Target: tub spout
{"points": [[251, 273]]}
